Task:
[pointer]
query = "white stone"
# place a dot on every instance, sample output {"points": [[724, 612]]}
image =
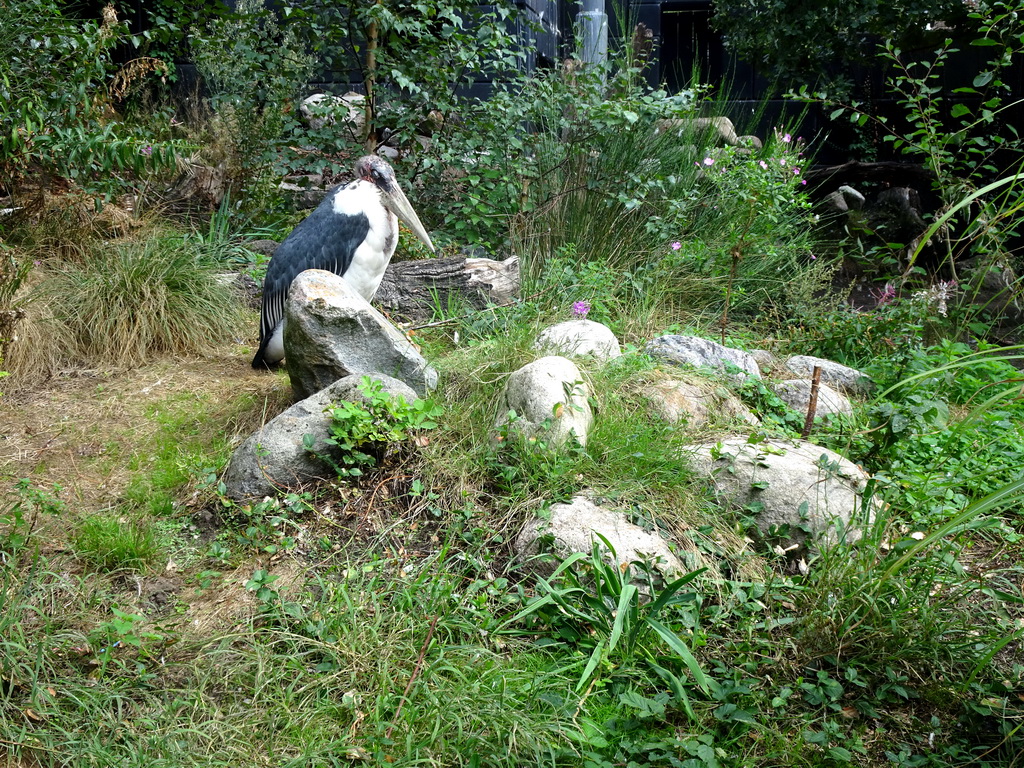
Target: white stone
{"points": [[323, 109], [701, 353], [549, 391], [796, 393], [577, 338], [696, 404], [811, 490], [573, 527], [834, 374]]}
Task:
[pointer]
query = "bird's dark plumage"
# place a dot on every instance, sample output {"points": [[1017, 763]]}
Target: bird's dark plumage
{"points": [[352, 233]]}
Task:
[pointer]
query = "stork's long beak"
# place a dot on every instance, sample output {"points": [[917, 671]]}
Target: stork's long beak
{"points": [[399, 204]]}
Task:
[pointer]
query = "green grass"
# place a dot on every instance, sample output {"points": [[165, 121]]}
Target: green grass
{"points": [[111, 543], [126, 304]]}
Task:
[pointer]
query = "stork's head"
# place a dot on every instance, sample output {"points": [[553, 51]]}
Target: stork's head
{"points": [[375, 170]]}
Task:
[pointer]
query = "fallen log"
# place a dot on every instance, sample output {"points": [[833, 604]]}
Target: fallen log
{"points": [[413, 290]]}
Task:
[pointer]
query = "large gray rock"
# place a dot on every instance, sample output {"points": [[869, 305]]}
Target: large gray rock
{"points": [[331, 332], [701, 353], [573, 527], [579, 337], [696, 404], [800, 488], [275, 458], [796, 393], [549, 391], [833, 374]]}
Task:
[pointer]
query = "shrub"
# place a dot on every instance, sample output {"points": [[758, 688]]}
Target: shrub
{"points": [[126, 303], [250, 85], [55, 116]]}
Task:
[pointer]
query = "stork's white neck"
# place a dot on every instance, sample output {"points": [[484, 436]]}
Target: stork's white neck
{"points": [[361, 198]]}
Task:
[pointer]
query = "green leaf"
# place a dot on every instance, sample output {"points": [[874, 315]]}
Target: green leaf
{"points": [[621, 612], [842, 754], [959, 110], [983, 79], [676, 644], [595, 659]]}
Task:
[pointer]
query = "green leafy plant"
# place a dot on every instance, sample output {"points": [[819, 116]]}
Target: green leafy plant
{"points": [[594, 602], [254, 64], [961, 138], [53, 103], [360, 432], [821, 42]]}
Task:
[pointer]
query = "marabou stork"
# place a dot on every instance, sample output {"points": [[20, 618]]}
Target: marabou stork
{"points": [[352, 233]]}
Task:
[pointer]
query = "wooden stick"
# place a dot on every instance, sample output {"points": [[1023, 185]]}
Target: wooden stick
{"points": [[415, 674], [812, 404]]}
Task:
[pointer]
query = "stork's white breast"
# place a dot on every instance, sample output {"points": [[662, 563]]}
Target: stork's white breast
{"points": [[372, 255]]}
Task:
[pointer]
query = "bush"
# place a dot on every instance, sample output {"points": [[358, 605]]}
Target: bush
{"points": [[55, 112], [124, 304]]}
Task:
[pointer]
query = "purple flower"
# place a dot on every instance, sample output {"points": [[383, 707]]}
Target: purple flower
{"points": [[787, 138], [676, 245], [885, 296], [147, 150], [580, 309]]}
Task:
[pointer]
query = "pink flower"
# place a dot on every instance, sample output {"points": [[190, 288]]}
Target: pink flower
{"points": [[796, 171], [676, 245], [884, 296], [147, 151], [709, 161], [787, 138], [803, 181], [763, 164], [580, 309]]}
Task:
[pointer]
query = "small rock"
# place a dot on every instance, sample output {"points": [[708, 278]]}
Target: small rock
{"points": [[801, 489], [549, 391], [573, 527], [835, 374], [578, 338], [701, 353], [696, 404], [796, 393]]}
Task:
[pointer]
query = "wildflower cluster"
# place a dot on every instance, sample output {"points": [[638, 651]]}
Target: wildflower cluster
{"points": [[772, 176]]}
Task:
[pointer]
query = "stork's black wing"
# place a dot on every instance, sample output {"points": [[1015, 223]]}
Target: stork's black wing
{"points": [[323, 240]]}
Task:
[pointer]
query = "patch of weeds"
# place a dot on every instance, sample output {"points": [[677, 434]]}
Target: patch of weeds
{"points": [[361, 433], [405, 658], [125, 642], [111, 543], [595, 603], [530, 465], [269, 526]]}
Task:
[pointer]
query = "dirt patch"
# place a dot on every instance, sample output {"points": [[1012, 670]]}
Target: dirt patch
{"points": [[90, 432]]}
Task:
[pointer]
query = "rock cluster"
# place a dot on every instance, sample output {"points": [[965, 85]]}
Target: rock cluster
{"points": [[797, 493]]}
